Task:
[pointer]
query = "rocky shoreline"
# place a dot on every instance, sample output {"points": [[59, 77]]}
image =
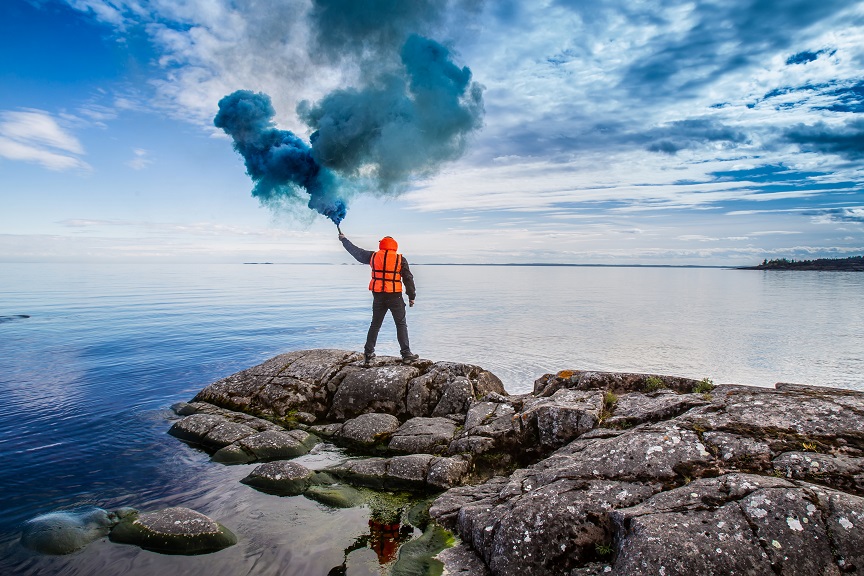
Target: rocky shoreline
{"points": [[591, 473]]}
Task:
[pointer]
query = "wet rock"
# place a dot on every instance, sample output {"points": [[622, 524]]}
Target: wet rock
{"points": [[376, 389], [173, 531], [369, 429], [335, 495], [280, 477], [66, 531], [423, 435]]}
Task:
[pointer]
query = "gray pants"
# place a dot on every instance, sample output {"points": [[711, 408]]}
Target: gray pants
{"points": [[381, 303]]}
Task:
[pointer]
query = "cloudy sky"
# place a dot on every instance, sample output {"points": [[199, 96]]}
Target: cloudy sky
{"points": [[615, 131]]}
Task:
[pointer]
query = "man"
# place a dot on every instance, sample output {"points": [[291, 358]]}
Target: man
{"points": [[389, 272]]}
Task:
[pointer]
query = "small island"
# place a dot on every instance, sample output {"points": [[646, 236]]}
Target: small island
{"points": [[851, 264]]}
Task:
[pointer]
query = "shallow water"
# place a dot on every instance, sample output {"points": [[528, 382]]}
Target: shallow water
{"points": [[88, 377]]}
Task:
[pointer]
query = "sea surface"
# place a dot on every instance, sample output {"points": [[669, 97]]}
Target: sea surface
{"points": [[92, 357]]}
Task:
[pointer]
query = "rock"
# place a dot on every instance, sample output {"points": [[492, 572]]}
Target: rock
{"points": [[66, 531], [299, 381], [593, 473], [408, 472], [618, 382], [227, 433], [838, 471], [335, 495], [173, 531], [280, 477], [195, 428], [636, 408], [460, 560], [459, 382], [377, 389], [455, 398], [446, 473], [548, 530], [844, 519], [562, 417], [368, 430], [784, 418], [275, 445], [733, 449], [423, 435], [446, 507]]}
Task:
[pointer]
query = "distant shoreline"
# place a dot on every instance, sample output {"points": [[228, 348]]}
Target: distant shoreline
{"points": [[851, 264]]}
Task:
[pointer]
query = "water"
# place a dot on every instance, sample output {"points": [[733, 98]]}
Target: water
{"points": [[87, 379]]}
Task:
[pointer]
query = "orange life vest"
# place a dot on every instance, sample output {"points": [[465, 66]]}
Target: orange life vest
{"points": [[386, 267]]}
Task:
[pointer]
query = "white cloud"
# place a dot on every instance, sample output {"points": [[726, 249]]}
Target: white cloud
{"points": [[140, 160], [35, 136]]}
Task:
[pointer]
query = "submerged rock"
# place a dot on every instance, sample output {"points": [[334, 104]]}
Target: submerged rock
{"points": [[66, 531], [173, 531]]}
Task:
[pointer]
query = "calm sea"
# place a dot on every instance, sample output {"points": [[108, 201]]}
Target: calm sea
{"points": [[86, 380]]}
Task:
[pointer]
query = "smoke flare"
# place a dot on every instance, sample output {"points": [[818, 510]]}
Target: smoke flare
{"points": [[405, 124]]}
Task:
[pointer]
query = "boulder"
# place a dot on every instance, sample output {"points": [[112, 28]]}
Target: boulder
{"points": [[66, 531], [367, 430], [565, 415], [380, 388], [173, 531], [265, 446], [280, 477], [423, 436]]}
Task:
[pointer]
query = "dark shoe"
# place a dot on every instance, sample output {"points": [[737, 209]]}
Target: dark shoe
{"points": [[410, 357], [367, 359]]}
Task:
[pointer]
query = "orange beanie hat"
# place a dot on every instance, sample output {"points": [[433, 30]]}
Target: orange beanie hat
{"points": [[388, 243]]}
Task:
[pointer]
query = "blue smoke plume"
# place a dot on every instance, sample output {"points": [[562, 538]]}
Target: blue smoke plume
{"points": [[403, 125]]}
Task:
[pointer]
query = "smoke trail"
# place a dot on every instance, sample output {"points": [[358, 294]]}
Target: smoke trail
{"points": [[278, 162], [405, 124]]}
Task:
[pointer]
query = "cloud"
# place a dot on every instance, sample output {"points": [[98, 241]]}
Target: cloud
{"points": [[140, 160], [35, 136], [845, 140], [834, 215], [681, 134]]}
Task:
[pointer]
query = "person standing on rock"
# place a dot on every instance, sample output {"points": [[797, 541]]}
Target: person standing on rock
{"points": [[389, 272]]}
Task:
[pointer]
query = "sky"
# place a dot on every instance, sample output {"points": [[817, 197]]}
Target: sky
{"points": [[607, 132]]}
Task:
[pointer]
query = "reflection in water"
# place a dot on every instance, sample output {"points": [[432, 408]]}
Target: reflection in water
{"points": [[383, 538]]}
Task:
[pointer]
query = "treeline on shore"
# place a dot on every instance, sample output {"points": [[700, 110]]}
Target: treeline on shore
{"points": [[852, 263]]}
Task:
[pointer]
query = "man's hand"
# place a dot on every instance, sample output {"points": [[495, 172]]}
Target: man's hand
{"points": [[341, 236], [410, 303]]}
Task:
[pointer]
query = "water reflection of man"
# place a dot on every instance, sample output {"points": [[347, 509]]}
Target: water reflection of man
{"points": [[383, 538]]}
